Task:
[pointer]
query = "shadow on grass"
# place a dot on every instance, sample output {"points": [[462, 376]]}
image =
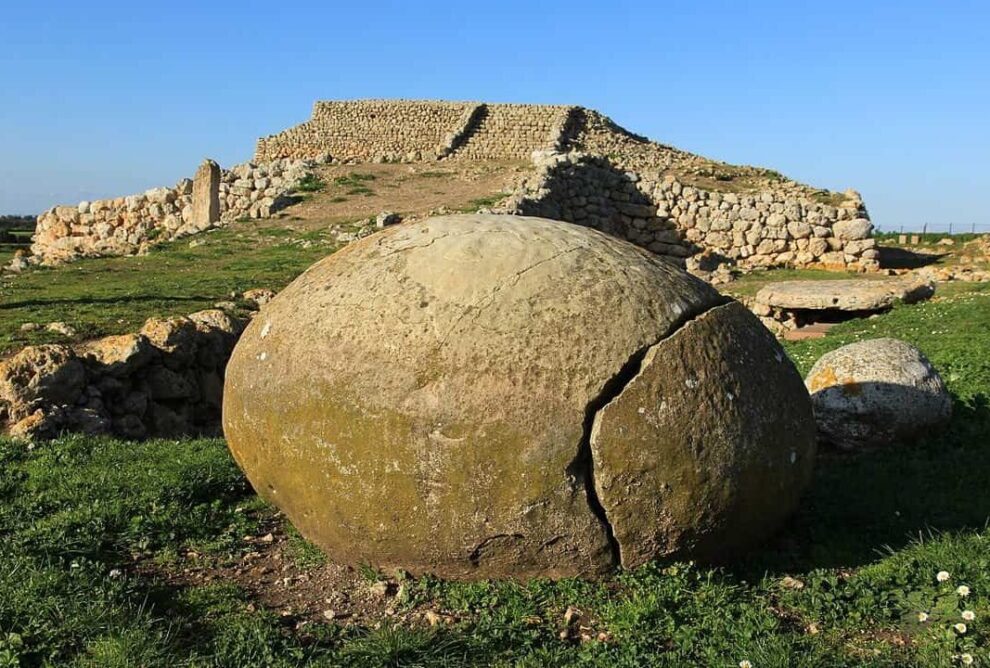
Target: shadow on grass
{"points": [[104, 300], [861, 505]]}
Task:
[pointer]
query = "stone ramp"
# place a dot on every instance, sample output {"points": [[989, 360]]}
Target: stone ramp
{"points": [[512, 131]]}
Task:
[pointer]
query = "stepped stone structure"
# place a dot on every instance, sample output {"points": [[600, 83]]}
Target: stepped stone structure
{"points": [[585, 169], [590, 171], [410, 130]]}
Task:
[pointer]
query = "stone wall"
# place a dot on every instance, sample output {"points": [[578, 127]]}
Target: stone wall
{"points": [[126, 225], [414, 130], [367, 130], [589, 191], [513, 131], [166, 380], [768, 228]]}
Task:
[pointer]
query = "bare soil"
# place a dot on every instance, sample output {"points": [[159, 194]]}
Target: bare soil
{"points": [[275, 577], [353, 192]]}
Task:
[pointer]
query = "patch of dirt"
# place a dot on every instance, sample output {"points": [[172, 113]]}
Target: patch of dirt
{"points": [[270, 572], [360, 191]]}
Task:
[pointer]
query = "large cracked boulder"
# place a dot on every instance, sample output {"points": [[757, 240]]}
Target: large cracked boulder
{"points": [[489, 396], [876, 392]]}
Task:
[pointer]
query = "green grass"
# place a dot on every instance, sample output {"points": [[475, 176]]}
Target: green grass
{"points": [[353, 184], [481, 203], [115, 295], [311, 183], [866, 543]]}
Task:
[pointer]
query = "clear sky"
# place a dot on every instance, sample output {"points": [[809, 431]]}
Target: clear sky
{"points": [[892, 98]]}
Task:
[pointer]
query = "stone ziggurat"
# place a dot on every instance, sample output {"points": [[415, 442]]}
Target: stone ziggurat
{"points": [[584, 169]]}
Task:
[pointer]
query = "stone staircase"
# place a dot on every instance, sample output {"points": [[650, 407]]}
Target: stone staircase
{"points": [[509, 131]]}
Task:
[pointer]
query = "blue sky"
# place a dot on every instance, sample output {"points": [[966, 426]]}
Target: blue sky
{"points": [[893, 98]]}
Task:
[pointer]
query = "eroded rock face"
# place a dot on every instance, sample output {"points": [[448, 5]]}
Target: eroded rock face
{"points": [[425, 399], [876, 392], [38, 375]]}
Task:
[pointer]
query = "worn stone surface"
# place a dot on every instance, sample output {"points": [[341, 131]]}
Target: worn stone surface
{"points": [[698, 456], [844, 295], [206, 195], [423, 399], [876, 392]]}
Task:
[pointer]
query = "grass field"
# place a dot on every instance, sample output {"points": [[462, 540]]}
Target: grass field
{"points": [[91, 531], [115, 295]]}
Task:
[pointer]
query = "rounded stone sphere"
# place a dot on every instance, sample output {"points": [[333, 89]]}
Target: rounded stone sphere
{"points": [[482, 396], [876, 392]]}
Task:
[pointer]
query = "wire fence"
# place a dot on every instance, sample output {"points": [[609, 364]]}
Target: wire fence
{"points": [[946, 229]]}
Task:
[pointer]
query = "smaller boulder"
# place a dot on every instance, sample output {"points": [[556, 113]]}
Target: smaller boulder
{"points": [[175, 337], [62, 328], [386, 218], [876, 392], [258, 297], [119, 355]]}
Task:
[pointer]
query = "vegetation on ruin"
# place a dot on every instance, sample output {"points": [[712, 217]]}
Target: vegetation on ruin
{"points": [[97, 534], [311, 183], [355, 184]]}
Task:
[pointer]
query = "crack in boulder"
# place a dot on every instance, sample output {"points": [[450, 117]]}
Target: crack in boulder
{"points": [[583, 465]]}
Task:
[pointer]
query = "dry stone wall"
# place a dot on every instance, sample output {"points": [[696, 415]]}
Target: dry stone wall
{"points": [[513, 131], [126, 225], [369, 130], [769, 228], [589, 191], [413, 130], [166, 380]]}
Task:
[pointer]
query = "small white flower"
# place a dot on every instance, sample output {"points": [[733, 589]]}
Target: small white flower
{"points": [[745, 664], [966, 659], [922, 617], [963, 590], [116, 573], [960, 628], [968, 615], [942, 576]]}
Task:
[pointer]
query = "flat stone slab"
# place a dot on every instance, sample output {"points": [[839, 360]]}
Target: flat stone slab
{"points": [[843, 295]]}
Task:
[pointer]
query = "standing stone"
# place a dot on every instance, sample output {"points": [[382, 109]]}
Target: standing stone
{"points": [[206, 194]]}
